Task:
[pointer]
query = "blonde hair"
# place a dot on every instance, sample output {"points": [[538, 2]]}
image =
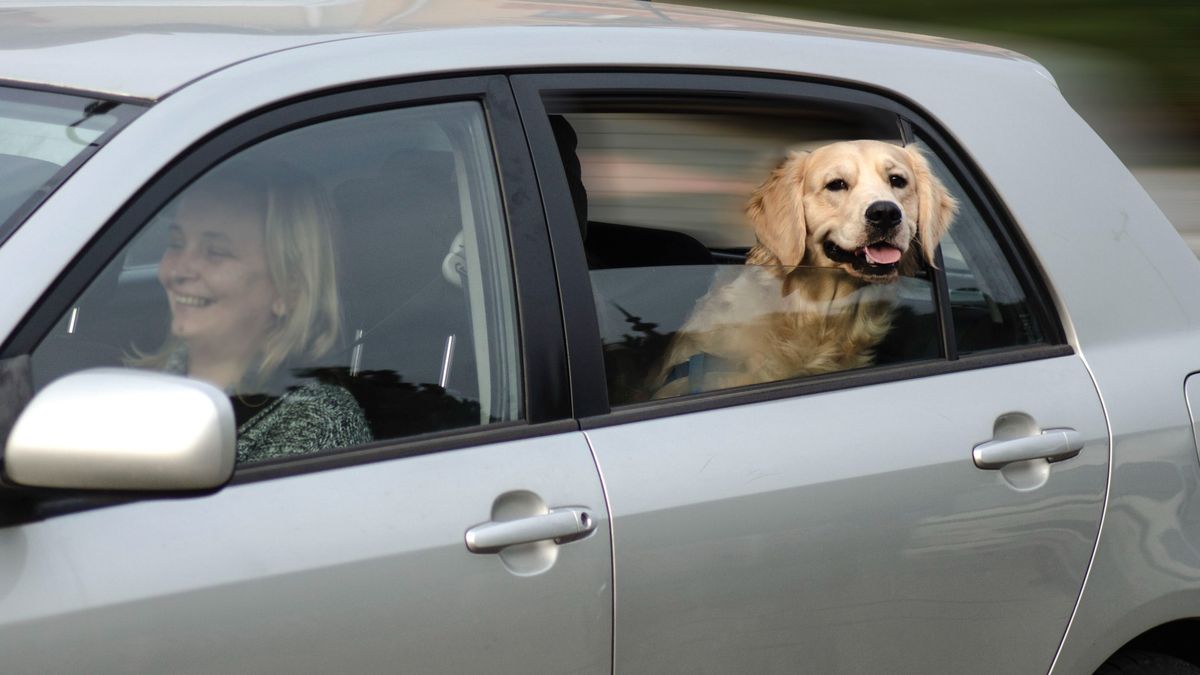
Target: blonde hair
{"points": [[297, 231], [299, 247]]}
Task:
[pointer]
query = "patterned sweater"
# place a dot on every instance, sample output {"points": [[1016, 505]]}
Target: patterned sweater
{"points": [[306, 419]]}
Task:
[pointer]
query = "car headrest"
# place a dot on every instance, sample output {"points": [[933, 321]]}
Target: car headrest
{"points": [[396, 227]]}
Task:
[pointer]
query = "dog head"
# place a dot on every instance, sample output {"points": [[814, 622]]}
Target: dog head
{"points": [[855, 205]]}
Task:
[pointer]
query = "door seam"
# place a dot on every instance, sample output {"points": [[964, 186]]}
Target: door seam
{"points": [[612, 550]]}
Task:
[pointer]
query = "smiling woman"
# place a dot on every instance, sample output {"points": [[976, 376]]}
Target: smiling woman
{"points": [[249, 276], [223, 302], [363, 297]]}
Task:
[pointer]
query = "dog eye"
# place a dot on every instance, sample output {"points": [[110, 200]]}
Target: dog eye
{"points": [[835, 185], [897, 181]]}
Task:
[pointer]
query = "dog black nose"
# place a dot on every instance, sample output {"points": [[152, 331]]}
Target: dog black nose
{"points": [[883, 215]]}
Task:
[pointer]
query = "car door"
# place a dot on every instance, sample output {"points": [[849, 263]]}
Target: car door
{"points": [[467, 534], [933, 512]]}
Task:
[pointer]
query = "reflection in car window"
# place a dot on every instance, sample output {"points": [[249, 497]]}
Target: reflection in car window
{"points": [[989, 307], [40, 134], [732, 244], [658, 347], [363, 297]]}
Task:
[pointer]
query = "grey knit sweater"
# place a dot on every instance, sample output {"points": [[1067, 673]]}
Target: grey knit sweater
{"points": [[308, 418], [305, 419]]}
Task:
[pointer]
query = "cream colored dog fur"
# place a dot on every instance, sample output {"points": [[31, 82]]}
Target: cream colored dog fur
{"points": [[835, 226]]}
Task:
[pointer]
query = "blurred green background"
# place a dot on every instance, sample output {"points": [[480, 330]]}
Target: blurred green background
{"points": [[1130, 67]]}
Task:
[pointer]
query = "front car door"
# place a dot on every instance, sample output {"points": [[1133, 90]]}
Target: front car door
{"points": [[350, 557], [843, 522]]}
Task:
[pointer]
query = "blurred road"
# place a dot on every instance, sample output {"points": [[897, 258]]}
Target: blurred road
{"points": [[1177, 192]]}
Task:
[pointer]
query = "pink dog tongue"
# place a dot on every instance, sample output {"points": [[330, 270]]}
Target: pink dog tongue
{"points": [[882, 254]]}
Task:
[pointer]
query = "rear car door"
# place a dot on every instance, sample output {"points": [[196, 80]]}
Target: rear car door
{"points": [[933, 512], [410, 551]]}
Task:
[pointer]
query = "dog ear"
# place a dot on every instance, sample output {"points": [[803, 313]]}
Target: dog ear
{"points": [[937, 207], [776, 210]]}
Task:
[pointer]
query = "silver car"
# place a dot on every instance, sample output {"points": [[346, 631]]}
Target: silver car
{"points": [[408, 422]]}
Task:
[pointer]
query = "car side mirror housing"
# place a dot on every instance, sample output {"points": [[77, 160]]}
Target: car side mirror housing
{"points": [[123, 429]]}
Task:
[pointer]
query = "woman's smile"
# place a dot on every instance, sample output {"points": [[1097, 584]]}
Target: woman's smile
{"points": [[190, 300], [223, 302]]}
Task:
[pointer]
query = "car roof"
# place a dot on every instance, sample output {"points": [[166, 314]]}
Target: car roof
{"points": [[145, 49]]}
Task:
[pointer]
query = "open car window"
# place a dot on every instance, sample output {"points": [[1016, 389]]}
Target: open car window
{"points": [[732, 243]]}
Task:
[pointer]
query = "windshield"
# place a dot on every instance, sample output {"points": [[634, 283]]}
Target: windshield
{"points": [[45, 136]]}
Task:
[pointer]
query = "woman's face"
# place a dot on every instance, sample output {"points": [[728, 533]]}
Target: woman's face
{"points": [[215, 273]]}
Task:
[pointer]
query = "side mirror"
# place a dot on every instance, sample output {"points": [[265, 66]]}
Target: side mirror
{"points": [[121, 429]]}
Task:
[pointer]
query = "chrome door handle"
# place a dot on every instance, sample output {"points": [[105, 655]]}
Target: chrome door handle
{"points": [[1053, 445], [561, 525]]}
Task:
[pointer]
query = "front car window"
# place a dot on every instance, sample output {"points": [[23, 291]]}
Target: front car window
{"points": [[43, 137], [345, 282]]}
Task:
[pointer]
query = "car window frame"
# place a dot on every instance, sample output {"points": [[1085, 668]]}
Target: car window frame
{"points": [[542, 348], [588, 377]]}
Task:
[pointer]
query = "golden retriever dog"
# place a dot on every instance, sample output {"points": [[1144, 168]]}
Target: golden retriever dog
{"points": [[835, 226]]}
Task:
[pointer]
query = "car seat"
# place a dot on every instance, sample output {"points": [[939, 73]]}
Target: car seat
{"points": [[409, 360], [645, 281]]}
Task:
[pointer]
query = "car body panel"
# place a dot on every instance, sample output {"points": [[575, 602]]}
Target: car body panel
{"points": [[852, 526], [1123, 281], [148, 49], [1146, 565], [362, 569]]}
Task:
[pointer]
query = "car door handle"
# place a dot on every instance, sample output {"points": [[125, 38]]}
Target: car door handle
{"points": [[1053, 445], [561, 525]]}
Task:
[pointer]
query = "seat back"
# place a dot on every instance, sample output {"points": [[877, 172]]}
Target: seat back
{"points": [[410, 346]]}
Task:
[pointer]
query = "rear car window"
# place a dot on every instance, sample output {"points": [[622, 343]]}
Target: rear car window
{"points": [[689, 206]]}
